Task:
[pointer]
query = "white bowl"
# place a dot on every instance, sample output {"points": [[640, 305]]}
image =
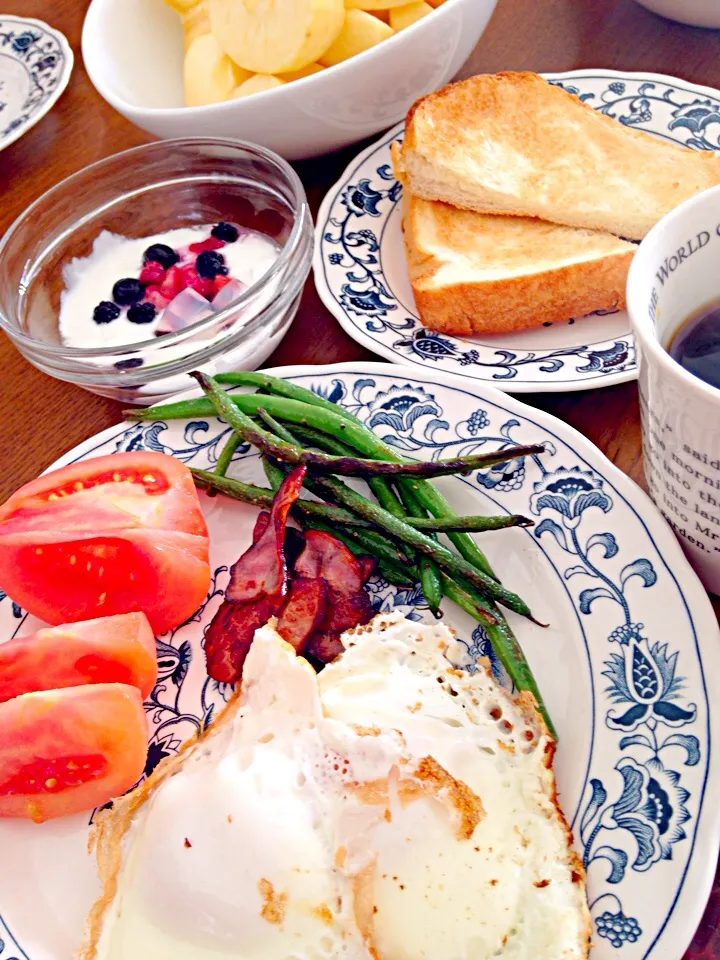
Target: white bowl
{"points": [[698, 13], [133, 51]]}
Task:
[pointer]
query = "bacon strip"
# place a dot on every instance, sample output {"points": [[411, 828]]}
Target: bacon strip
{"points": [[262, 569], [343, 613], [367, 567], [303, 610], [323, 648], [347, 604], [326, 557], [261, 525], [294, 546], [324, 598], [230, 635]]}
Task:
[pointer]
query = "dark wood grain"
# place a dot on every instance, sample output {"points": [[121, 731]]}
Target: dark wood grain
{"points": [[42, 418]]}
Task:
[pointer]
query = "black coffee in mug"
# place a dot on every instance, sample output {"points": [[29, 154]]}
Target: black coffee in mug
{"points": [[695, 345]]}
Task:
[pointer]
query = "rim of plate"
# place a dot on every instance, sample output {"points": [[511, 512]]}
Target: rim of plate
{"points": [[63, 80], [699, 873], [360, 335]]}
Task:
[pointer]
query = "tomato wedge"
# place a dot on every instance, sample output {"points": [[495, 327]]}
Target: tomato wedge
{"points": [[63, 751], [117, 649], [112, 535]]}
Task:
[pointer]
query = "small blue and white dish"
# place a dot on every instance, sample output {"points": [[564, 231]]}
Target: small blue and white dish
{"points": [[35, 66], [361, 273]]}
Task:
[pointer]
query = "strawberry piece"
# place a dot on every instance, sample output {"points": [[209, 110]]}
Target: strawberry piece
{"points": [[173, 283], [155, 297], [190, 276], [204, 287], [212, 243], [219, 282], [152, 272]]}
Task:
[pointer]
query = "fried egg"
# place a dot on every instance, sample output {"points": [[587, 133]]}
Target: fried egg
{"points": [[390, 808]]}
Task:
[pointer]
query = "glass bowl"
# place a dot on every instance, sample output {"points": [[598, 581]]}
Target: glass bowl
{"points": [[139, 193]]}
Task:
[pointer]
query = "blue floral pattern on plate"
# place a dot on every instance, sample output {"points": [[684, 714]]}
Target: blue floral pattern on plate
{"points": [[360, 268], [35, 66], [613, 580]]}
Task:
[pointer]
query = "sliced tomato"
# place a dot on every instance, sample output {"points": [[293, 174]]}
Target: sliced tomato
{"points": [[117, 649], [113, 535], [63, 751]]}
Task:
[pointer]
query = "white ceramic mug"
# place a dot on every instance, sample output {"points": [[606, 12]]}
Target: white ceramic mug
{"points": [[674, 274]]}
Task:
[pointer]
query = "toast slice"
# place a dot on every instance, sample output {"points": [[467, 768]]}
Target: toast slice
{"points": [[512, 143], [477, 274]]}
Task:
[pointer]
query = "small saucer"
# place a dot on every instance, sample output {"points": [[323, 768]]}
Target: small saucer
{"points": [[35, 66]]}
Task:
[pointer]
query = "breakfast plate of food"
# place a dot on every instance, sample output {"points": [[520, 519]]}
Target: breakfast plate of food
{"points": [[35, 66], [466, 591], [504, 257]]}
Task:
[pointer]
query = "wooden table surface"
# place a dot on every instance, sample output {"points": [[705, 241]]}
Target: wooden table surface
{"points": [[42, 418]]}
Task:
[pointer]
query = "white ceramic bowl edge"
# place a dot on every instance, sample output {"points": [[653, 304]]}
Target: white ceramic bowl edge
{"points": [[697, 13], [309, 117]]}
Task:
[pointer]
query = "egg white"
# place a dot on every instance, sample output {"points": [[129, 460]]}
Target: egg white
{"points": [[390, 808]]}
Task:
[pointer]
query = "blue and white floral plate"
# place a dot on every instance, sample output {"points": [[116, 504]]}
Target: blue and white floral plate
{"points": [[35, 66], [629, 667], [361, 275]]}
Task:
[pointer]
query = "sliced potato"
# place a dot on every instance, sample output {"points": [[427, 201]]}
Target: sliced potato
{"points": [[436, 3], [401, 17], [307, 71], [196, 22], [276, 36], [383, 15], [374, 4], [209, 74], [257, 84], [360, 32]]}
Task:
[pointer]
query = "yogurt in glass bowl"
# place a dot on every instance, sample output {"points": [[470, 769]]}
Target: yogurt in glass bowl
{"points": [[177, 255]]}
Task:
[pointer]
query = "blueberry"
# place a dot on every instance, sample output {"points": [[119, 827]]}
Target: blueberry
{"points": [[210, 263], [142, 313], [130, 364], [225, 231], [161, 253], [127, 291], [105, 312]]}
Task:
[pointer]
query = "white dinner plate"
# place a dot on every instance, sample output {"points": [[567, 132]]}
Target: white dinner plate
{"points": [[361, 274], [629, 666], [35, 66]]}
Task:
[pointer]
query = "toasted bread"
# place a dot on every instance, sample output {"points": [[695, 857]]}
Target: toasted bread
{"points": [[514, 144], [478, 274]]}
